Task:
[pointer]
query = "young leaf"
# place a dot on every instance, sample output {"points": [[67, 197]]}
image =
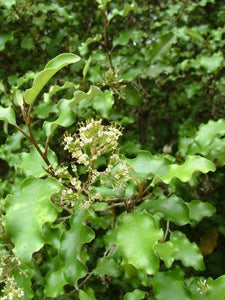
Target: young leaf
{"points": [[166, 252], [136, 236], [27, 212], [44, 76], [71, 244]]}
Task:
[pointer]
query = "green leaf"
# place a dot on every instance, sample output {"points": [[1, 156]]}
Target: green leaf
{"points": [[44, 76], [145, 163], [7, 114], [90, 95], [135, 295], [170, 285], [83, 49], [136, 236], [211, 64], [107, 266], [185, 171], [161, 46], [188, 253], [32, 163], [103, 104], [198, 210], [127, 35], [87, 294], [173, 208], [65, 118], [217, 289], [55, 280], [4, 38], [71, 245], [27, 212], [194, 34], [166, 252], [132, 97]]}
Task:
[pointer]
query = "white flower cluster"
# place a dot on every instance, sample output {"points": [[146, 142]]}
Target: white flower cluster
{"points": [[10, 290], [92, 141], [202, 286]]}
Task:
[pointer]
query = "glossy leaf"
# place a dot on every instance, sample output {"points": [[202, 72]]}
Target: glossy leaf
{"points": [[71, 245], [217, 289], [170, 285], [211, 64], [166, 252], [32, 163], [136, 236], [185, 171], [145, 164], [44, 76], [135, 295], [55, 280], [199, 210], [65, 118], [188, 252], [7, 114], [87, 294], [27, 212], [173, 209]]}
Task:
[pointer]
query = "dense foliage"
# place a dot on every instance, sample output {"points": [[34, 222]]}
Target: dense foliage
{"points": [[112, 149]]}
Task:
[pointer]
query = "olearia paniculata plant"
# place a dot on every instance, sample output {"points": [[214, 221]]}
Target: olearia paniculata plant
{"points": [[85, 213]]}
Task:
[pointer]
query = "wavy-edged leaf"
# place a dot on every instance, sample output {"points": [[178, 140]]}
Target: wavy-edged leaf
{"points": [[44, 76], [27, 212], [55, 280], [32, 163], [188, 253], [107, 266], [184, 172], [102, 102], [7, 114], [170, 285], [217, 289], [166, 252], [136, 235], [145, 164], [135, 295], [66, 117], [173, 208], [199, 210], [211, 63], [71, 244]]}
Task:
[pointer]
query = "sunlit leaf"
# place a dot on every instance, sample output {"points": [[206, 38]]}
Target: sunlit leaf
{"points": [[170, 285], [135, 295], [107, 266], [27, 212], [32, 163], [71, 245], [188, 252], [7, 114], [136, 236], [44, 76]]}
